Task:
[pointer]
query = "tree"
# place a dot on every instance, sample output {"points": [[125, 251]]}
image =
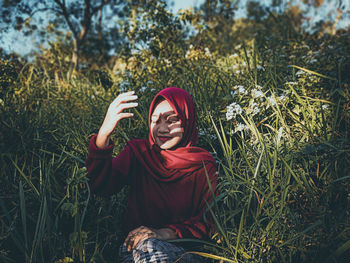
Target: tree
{"points": [[60, 16]]}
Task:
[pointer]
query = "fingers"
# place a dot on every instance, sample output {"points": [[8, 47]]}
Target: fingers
{"points": [[124, 106], [138, 235], [176, 128], [129, 241], [122, 102], [118, 112], [124, 97], [115, 112], [125, 115]]}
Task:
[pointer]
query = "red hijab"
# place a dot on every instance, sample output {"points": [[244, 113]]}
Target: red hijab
{"points": [[185, 159]]}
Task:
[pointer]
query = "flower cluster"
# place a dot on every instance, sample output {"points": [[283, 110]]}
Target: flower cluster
{"points": [[233, 110], [195, 53], [255, 102]]}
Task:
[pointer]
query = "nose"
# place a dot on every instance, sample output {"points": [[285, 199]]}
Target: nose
{"points": [[163, 127]]}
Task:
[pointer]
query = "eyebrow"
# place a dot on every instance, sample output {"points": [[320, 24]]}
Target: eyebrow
{"points": [[166, 115]]}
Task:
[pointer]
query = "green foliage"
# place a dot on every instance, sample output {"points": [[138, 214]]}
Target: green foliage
{"points": [[8, 78], [273, 109]]}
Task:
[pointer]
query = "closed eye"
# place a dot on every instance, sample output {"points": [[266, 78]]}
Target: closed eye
{"points": [[173, 119]]}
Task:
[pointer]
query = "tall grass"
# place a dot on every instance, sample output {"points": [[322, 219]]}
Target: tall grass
{"points": [[283, 159]]}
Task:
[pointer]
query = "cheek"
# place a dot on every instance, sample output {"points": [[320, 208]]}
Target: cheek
{"points": [[153, 129]]}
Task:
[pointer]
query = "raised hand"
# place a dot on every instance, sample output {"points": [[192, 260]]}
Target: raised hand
{"points": [[114, 115]]}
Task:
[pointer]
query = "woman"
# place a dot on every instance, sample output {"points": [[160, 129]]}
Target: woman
{"points": [[168, 175]]}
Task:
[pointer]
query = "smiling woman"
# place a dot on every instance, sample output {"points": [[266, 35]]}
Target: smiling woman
{"points": [[166, 126], [169, 192]]}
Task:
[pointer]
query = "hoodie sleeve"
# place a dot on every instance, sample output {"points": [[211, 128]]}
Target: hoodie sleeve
{"points": [[107, 175], [200, 225]]}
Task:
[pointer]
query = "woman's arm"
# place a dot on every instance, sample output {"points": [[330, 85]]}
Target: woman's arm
{"points": [[200, 224], [142, 233], [107, 175]]}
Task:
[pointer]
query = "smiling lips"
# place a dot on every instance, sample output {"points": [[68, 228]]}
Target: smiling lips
{"points": [[163, 138]]}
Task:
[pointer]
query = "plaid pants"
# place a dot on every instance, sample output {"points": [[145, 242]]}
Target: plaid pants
{"points": [[157, 251]]}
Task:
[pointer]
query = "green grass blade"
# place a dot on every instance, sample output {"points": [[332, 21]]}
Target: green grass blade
{"points": [[23, 214], [26, 178]]}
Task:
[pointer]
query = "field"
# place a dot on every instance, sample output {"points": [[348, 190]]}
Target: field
{"points": [[274, 112]]}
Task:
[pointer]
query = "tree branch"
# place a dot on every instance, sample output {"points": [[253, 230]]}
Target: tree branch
{"points": [[43, 10], [65, 14], [97, 8]]}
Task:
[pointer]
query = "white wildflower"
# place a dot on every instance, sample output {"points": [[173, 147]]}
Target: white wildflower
{"points": [[128, 74], [279, 135], [272, 100], [143, 88], [241, 89], [207, 52], [324, 107], [313, 60], [259, 67], [213, 136], [300, 72], [291, 83], [282, 97], [255, 107], [241, 127], [257, 93], [233, 55], [232, 92], [229, 114], [92, 97], [238, 72], [244, 64], [124, 85], [258, 86], [168, 63], [233, 110], [234, 67]]}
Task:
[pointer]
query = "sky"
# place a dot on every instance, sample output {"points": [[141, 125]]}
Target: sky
{"points": [[15, 41], [182, 4]]}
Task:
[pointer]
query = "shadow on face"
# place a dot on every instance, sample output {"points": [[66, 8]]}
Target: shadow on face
{"points": [[166, 126]]}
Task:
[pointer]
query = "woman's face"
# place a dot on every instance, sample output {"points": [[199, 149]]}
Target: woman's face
{"points": [[166, 126]]}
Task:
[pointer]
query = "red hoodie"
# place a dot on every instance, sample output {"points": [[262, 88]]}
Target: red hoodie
{"points": [[168, 188]]}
